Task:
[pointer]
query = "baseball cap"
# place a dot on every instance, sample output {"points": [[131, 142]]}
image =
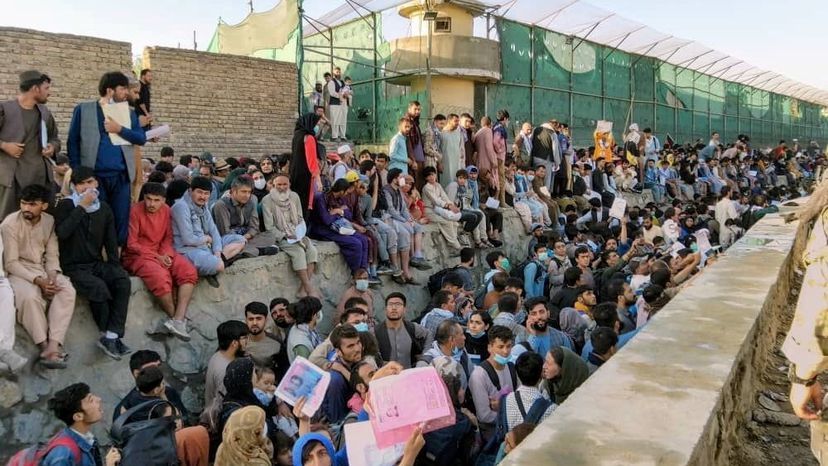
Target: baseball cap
{"points": [[351, 176]]}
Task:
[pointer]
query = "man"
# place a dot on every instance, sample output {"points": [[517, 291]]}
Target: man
{"points": [[500, 141], [652, 146], [346, 341], [414, 143], [568, 294], [620, 292], [9, 360], [725, 210], [196, 236], [544, 193], [605, 315], [31, 261], [452, 148], [399, 339], [338, 109], [85, 227], [409, 232], [461, 193], [140, 360], [585, 300], [238, 215], [442, 309], [398, 149], [282, 321], [671, 227], [145, 95], [522, 148], [640, 268], [23, 158], [651, 231], [536, 271], [149, 254], [583, 261], [356, 314], [546, 152], [449, 349], [539, 336], [60, 177], [344, 164], [433, 143], [232, 337], [486, 156], [529, 370], [507, 310], [282, 215], [489, 384], [79, 409], [603, 347], [382, 165], [262, 346], [90, 144], [441, 210]]}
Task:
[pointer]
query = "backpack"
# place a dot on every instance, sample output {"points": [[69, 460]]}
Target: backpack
{"points": [[492, 373], [146, 442], [517, 272], [435, 281], [480, 295], [535, 414], [34, 455]]}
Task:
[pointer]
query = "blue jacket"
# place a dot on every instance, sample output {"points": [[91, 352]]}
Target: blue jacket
{"points": [[62, 456], [531, 286]]}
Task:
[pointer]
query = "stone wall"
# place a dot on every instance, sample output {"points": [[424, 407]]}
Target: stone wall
{"points": [[676, 394], [225, 104], [24, 418], [75, 64]]}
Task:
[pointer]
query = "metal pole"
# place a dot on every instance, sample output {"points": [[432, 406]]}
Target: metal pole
{"points": [[374, 84], [430, 25], [532, 74]]}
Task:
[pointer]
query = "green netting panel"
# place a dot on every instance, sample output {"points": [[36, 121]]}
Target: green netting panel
{"points": [[554, 57], [643, 115], [617, 74], [701, 125], [616, 111], [515, 54], [731, 128], [586, 113], [587, 67], [644, 79], [666, 84], [551, 104], [746, 126], [701, 91], [731, 106], [684, 87], [684, 132], [717, 123], [506, 96], [717, 96], [758, 103], [389, 112], [665, 121]]}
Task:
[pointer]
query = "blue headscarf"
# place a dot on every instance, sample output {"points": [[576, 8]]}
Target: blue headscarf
{"points": [[306, 439]]}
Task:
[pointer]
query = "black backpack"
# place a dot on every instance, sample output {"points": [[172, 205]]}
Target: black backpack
{"points": [[146, 442], [435, 281], [517, 272]]}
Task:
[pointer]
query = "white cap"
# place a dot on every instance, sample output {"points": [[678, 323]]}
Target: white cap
{"points": [[343, 149]]}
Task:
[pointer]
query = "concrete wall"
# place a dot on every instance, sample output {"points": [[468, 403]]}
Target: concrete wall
{"points": [[75, 64], [226, 104], [677, 392]]}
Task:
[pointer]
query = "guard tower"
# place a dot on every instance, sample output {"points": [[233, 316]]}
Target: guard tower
{"points": [[444, 31]]}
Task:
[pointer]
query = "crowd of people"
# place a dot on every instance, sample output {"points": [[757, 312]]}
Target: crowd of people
{"points": [[509, 346]]}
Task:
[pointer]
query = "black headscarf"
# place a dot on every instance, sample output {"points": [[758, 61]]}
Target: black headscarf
{"points": [[238, 383], [300, 175]]}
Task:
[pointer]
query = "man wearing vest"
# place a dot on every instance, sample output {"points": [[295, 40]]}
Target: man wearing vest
{"points": [[90, 145], [338, 108], [493, 379], [23, 154], [399, 339]]}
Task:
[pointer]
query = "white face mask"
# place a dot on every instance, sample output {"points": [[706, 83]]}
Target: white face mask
{"points": [[362, 284], [319, 316], [260, 183]]}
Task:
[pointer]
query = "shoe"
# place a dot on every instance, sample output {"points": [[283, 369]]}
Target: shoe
{"points": [[384, 269], [212, 280], [419, 263], [399, 279], [122, 347], [496, 242], [411, 281], [109, 348], [374, 281], [269, 251], [12, 360], [177, 328]]}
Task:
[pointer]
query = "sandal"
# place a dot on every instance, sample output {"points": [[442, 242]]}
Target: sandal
{"points": [[399, 279], [53, 360]]}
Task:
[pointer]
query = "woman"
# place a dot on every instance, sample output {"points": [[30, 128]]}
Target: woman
{"points": [[304, 164], [477, 336], [328, 212], [243, 439], [564, 371], [266, 166], [574, 325], [414, 201]]}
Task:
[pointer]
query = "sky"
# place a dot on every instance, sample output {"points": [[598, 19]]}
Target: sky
{"points": [[788, 37]]}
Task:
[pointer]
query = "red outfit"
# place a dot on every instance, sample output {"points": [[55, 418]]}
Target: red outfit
{"points": [[150, 235]]}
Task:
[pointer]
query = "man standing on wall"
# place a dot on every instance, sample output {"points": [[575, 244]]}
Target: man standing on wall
{"points": [[90, 145], [338, 108], [142, 106], [23, 156], [415, 143]]}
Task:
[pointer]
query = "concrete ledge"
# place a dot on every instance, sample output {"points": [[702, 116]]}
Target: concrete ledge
{"points": [[675, 393]]}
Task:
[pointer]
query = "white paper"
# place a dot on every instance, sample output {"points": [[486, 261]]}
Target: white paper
{"points": [[158, 132], [604, 126], [618, 207], [120, 113], [301, 231], [363, 449], [304, 379], [703, 241], [492, 203], [44, 135]]}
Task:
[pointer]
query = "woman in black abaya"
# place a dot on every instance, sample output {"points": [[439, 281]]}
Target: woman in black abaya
{"points": [[304, 165]]}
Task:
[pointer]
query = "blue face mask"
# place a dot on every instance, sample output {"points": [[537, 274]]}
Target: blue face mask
{"points": [[317, 130], [264, 397], [456, 353], [502, 360], [361, 327], [478, 334], [694, 247]]}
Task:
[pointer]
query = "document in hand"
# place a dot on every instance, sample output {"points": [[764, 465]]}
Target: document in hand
{"points": [[363, 449], [402, 402], [44, 135], [301, 231], [618, 207], [304, 379], [158, 132], [120, 113]]}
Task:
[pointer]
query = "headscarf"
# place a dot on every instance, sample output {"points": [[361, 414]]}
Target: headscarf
{"points": [[633, 136], [300, 173], [243, 439], [238, 382], [574, 371], [306, 439]]}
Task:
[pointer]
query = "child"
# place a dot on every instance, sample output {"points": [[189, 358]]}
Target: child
{"points": [[347, 92], [283, 450], [150, 384], [513, 439]]}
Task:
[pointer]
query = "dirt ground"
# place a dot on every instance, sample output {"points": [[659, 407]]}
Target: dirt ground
{"points": [[763, 443]]}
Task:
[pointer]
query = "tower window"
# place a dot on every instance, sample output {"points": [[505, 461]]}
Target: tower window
{"points": [[442, 25]]}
